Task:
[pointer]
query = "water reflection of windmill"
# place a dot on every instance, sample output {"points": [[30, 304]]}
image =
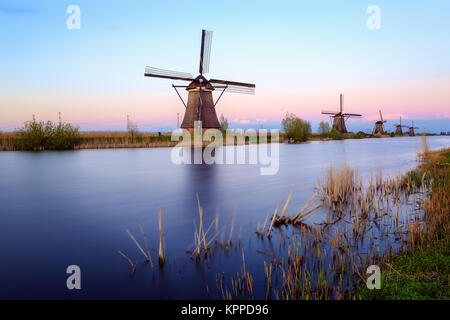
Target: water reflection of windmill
{"points": [[398, 128], [379, 125], [339, 117], [411, 129], [201, 105]]}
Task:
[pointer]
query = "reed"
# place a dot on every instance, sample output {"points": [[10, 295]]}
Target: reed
{"points": [[141, 228], [133, 265], [145, 254], [161, 258], [273, 220], [203, 244]]}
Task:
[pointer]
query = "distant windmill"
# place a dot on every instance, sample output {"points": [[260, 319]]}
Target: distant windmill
{"points": [[339, 117], [379, 125], [200, 105], [411, 129], [398, 128]]}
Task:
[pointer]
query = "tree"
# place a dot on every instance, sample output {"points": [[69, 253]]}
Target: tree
{"points": [[223, 123], [132, 128], [324, 128], [296, 128]]}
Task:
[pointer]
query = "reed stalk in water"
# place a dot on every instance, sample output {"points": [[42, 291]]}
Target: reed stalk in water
{"points": [[133, 265], [161, 250], [146, 254]]}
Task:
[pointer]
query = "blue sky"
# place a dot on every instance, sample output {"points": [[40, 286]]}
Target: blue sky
{"points": [[301, 55]]}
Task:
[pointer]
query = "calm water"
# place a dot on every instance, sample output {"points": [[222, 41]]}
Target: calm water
{"points": [[64, 208]]}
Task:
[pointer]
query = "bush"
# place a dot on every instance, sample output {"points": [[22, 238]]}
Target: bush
{"points": [[359, 135], [296, 128], [39, 136], [335, 135]]}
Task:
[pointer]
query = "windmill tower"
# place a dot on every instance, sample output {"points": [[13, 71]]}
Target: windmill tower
{"points": [[200, 105], [398, 128], [379, 129], [411, 129], [339, 118]]}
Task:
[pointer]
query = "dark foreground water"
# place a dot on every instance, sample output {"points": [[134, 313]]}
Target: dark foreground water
{"points": [[72, 208]]}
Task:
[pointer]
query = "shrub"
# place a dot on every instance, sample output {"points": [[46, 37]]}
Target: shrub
{"points": [[64, 136], [38, 136], [296, 128], [335, 135], [359, 135]]}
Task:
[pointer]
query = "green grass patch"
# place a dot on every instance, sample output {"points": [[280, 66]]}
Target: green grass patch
{"points": [[421, 274]]}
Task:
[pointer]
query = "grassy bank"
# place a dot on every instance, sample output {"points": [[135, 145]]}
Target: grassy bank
{"points": [[113, 140], [13, 141], [423, 271]]}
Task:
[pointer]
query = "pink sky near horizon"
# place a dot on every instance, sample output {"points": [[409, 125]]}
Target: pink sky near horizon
{"points": [[412, 99]]}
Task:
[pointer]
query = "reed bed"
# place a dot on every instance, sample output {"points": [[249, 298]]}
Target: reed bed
{"points": [[365, 224], [146, 252], [206, 241]]}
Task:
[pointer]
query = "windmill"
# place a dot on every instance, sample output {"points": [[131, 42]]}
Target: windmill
{"points": [[398, 128], [339, 117], [411, 129], [201, 105], [379, 125]]}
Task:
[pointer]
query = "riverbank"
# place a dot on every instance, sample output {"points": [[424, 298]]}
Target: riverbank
{"points": [[423, 271], [398, 224], [121, 140]]}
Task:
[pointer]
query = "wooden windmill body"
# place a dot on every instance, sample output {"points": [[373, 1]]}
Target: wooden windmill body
{"points": [[411, 129], [399, 128], [339, 118], [379, 125], [200, 104]]}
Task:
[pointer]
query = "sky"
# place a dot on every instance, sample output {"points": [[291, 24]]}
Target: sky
{"points": [[300, 54]]}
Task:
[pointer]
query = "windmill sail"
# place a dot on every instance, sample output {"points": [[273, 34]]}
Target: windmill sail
{"points": [[352, 114], [329, 112], [167, 74], [205, 51], [232, 83]]}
